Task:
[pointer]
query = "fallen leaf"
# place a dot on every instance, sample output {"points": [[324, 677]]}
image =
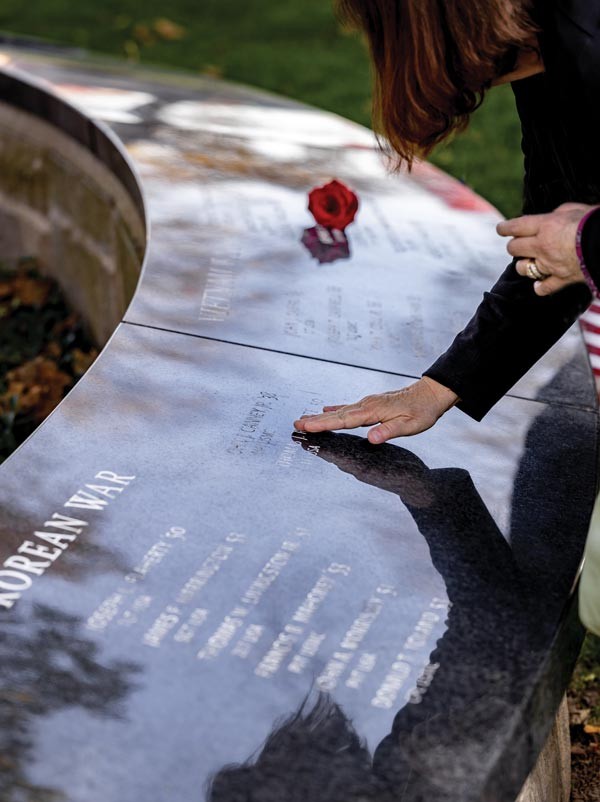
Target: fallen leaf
{"points": [[38, 385], [591, 729], [167, 29], [65, 325], [6, 288], [32, 291], [52, 350]]}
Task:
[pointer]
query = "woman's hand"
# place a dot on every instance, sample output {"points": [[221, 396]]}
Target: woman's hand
{"points": [[399, 413], [550, 239]]}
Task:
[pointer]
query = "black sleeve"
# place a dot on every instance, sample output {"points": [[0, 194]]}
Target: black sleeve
{"points": [[512, 328], [590, 246]]}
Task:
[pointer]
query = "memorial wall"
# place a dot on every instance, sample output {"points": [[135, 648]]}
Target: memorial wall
{"points": [[199, 603]]}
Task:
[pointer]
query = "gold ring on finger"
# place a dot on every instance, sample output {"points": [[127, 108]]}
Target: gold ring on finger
{"points": [[533, 271]]}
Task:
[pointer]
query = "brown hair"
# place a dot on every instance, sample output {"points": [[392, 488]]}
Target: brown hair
{"points": [[434, 61]]}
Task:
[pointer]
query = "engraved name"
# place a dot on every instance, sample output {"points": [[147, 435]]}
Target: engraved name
{"points": [[218, 291]]}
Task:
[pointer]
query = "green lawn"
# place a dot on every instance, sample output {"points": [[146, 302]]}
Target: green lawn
{"points": [[294, 47]]}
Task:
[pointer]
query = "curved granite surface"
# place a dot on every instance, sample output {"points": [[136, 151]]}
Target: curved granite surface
{"points": [[199, 603]]}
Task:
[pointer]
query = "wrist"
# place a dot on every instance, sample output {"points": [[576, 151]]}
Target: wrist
{"points": [[587, 230], [445, 397]]}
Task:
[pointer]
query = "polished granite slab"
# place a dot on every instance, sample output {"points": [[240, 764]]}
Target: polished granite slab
{"points": [[199, 603], [196, 578], [233, 255]]}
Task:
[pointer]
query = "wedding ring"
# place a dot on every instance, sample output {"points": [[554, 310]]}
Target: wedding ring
{"points": [[533, 271]]}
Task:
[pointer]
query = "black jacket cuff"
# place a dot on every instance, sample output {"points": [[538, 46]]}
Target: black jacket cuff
{"points": [[512, 328], [590, 246]]}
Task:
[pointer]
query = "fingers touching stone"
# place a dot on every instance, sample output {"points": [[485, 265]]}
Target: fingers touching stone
{"points": [[396, 413]]}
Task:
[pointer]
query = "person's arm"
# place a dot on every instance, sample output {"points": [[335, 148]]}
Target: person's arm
{"points": [[516, 323], [520, 319], [512, 328]]}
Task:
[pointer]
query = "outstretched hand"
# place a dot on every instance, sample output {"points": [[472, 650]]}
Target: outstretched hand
{"points": [[397, 413]]}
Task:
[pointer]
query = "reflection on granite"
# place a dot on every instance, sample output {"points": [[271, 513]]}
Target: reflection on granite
{"points": [[326, 246], [49, 665], [199, 603], [226, 171], [255, 570]]}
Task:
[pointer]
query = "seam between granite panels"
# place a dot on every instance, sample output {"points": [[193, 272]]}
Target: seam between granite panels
{"points": [[580, 407], [567, 404]]}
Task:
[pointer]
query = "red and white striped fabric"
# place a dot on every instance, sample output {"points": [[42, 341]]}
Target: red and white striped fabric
{"points": [[590, 324]]}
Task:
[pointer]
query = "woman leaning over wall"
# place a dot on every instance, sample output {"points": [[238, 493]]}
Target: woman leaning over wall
{"points": [[434, 62]]}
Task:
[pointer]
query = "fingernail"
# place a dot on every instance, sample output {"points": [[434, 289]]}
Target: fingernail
{"points": [[376, 437]]}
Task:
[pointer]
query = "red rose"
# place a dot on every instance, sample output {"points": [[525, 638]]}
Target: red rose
{"points": [[333, 205]]}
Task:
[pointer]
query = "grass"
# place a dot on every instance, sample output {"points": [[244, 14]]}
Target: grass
{"points": [[287, 46]]}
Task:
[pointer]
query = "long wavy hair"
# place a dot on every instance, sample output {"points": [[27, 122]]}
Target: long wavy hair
{"points": [[434, 61]]}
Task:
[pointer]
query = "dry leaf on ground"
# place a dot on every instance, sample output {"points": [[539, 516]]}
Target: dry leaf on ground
{"points": [[7, 287], [32, 291], [167, 29], [591, 729], [36, 387]]}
